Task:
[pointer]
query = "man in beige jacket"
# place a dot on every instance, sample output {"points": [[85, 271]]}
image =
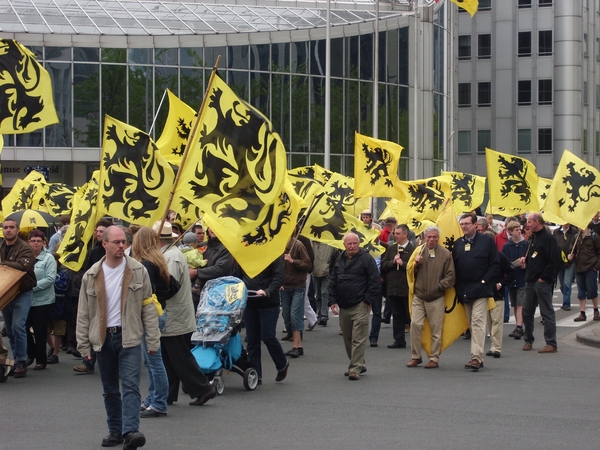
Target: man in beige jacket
{"points": [[111, 320]]}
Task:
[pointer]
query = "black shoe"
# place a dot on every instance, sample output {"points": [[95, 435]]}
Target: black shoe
{"points": [[373, 343], [20, 370], [467, 334], [566, 307], [203, 398], [75, 353], [518, 333], [53, 359], [287, 337], [113, 438], [323, 322], [131, 441], [148, 413], [50, 353], [386, 321], [294, 352], [397, 344], [282, 373], [494, 354]]}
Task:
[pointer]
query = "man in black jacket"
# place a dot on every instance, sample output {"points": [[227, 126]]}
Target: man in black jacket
{"points": [[477, 270], [393, 270], [541, 263], [354, 285]]}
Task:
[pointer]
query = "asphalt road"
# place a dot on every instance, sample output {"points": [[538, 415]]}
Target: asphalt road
{"points": [[522, 400]]}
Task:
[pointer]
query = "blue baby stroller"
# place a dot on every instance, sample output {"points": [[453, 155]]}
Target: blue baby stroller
{"points": [[218, 344]]}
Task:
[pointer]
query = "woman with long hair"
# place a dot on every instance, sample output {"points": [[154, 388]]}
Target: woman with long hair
{"points": [[145, 250]]}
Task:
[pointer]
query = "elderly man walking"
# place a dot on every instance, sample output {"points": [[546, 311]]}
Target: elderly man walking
{"points": [[111, 320], [354, 285], [434, 273]]}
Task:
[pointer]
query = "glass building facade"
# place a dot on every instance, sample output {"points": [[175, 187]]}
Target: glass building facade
{"points": [[283, 76]]}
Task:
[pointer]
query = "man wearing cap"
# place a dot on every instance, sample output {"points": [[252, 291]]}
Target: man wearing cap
{"points": [[17, 254], [111, 319], [176, 336]]}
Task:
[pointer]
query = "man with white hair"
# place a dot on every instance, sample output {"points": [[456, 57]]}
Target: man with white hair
{"points": [[353, 286]]}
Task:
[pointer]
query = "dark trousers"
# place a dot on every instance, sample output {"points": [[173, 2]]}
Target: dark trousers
{"points": [[537, 293], [376, 319], [400, 316], [182, 367], [261, 325], [36, 342]]}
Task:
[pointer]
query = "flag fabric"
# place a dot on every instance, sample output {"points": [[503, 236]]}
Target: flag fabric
{"points": [[468, 5], [27, 193], [544, 186], [375, 166], [236, 164], [177, 129], [60, 198], [332, 215], [135, 179], [468, 191], [26, 102], [575, 192], [424, 198], [512, 182], [257, 243], [74, 246], [305, 181]]}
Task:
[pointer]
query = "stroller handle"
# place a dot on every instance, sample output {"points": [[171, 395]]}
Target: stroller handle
{"points": [[253, 294]]}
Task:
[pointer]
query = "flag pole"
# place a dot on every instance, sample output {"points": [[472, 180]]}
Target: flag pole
{"points": [[187, 145], [157, 111]]}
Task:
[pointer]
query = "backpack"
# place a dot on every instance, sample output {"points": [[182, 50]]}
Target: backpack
{"points": [[62, 289]]}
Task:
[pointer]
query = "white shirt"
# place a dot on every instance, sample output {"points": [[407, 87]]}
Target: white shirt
{"points": [[113, 282]]}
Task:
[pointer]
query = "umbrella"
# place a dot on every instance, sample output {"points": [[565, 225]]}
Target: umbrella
{"points": [[30, 218]]}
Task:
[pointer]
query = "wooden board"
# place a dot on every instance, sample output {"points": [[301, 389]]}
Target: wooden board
{"points": [[10, 281]]}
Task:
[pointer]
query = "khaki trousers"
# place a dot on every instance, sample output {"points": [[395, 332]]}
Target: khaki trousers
{"points": [[434, 312], [476, 314], [354, 323], [495, 323]]}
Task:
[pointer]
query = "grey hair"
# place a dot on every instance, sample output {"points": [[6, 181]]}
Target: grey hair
{"points": [[430, 229]]}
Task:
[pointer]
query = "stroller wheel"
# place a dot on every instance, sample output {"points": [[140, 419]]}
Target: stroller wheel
{"points": [[250, 379], [218, 384]]}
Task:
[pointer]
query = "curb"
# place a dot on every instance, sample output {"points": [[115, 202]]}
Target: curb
{"points": [[590, 335]]}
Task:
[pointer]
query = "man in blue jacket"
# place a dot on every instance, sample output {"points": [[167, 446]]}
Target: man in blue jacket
{"points": [[477, 270], [353, 286]]}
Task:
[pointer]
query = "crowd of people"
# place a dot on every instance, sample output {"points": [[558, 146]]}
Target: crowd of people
{"points": [[134, 300]]}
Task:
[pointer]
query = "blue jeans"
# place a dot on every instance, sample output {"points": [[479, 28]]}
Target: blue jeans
{"points": [[587, 285], [292, 304], [158, 383], [566, 275], [322, 296], [537, 293], [122, 411], [15, 317], [261, 324]]}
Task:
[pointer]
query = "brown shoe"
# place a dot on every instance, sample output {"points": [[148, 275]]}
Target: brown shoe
{"points": [[527, 347], [548, 349], [580, 318], [596, 315], [475, 365], [353, 376], [414, 362], [431, 365]]}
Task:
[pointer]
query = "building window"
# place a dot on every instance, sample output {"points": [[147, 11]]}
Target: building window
{"points": [[584, 143], [585, 45], [585, 94], [544, 140], [544, 92], [484, 94], [485, 5], [464, 142], [464, 94], [542, 3], [464, 47], [524, 93], [524, 4], [524, 43], [484, 140], [524, 141], [545, 42], [484, 46]]}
